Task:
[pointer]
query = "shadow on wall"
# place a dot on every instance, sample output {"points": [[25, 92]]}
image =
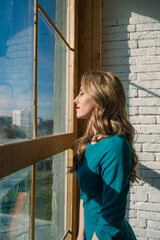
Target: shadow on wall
{"points": [[147, 174], [130, 49]]}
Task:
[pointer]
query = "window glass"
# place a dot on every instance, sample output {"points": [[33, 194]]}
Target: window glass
{"points": [[51, 198], [58, 12], [53, 64], [46, 56], [15, 205], [16, 69]]}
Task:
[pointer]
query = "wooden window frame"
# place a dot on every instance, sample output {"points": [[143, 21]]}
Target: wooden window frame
{"points": [[85, 55], [19, 155]]}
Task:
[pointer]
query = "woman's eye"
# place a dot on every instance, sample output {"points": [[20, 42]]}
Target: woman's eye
{"points": [[81, 93]]}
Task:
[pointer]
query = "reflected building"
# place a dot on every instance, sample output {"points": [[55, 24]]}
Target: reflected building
{"points": [[23, 119]]}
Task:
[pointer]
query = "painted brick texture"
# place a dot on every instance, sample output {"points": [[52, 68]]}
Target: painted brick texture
{"points": [[131, 50]]}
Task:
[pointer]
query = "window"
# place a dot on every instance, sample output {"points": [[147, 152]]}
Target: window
{"points": [[36, 118], [16, 70]]}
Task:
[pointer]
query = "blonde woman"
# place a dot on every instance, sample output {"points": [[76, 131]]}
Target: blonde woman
{"points": [[105, 161]]}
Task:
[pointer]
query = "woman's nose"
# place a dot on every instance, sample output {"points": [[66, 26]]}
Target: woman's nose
{"points": [[75, 100]]}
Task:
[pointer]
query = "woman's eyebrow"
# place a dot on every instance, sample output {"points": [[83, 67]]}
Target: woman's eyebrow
{"points": [[81, 89]]}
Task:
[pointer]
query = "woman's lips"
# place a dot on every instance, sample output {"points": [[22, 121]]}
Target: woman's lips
{"points": [[77, 107]]}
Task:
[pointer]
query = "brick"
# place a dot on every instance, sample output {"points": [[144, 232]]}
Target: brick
{"points": [[154, 93], [144, 102], [157, 183], [151, 207], [131, 213], [148, 138], [123, 21], [115, 52], [141, 223], [145, 68], [152, 238], [152, 233], [138, 147], [149, 43], [138, 197], [143, 119], [151, 165], [139, 189], [157, 156], [132, 93], [149, 215], [145, 35], [139, 19], [154, 225], [140, 232], [109, 22], [149, 110], [116, 69], [110, 61], [133, 111], [144, 189], [147, 181], [153, 190], [148, 60], [119, 45], [115, 37], [150, 174], [119, 29], [146, 156], [142, 238], [148, 27], [151, 147], [152, 51], [125, 77], [149, 76], [154, 199]]}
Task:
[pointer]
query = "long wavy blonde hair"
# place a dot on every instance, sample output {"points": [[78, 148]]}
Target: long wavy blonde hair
{"points": [[109, 117]]}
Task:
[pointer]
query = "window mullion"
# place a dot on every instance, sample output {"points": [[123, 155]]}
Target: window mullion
{"points": [[34, 116], [54, 27]]}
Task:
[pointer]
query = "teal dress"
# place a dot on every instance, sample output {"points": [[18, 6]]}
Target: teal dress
{"points": [[103, 175]]}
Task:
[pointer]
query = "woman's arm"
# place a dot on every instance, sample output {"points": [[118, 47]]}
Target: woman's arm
{"points": [[81, 231], [94, 237], [115, 172]]}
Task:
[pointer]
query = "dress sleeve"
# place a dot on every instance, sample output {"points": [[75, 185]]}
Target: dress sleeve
{"points": [[115, 171]]}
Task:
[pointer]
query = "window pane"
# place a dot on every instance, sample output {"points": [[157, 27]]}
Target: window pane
{"points": [[51, 198], [15, 205], [57, 10], [53, 65], [16, 69]]}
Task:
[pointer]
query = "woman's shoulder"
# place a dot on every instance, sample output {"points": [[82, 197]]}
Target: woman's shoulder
{"points": [[116, 144], [116, 150], [114, 140]]}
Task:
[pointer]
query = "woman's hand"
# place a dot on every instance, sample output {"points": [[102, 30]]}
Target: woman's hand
{"points": [[81, 238], [94, 237]]}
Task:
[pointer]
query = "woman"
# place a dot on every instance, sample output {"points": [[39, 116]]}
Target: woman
{"points": [[105, 161]]}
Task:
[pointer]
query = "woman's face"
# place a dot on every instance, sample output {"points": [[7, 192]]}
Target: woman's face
{"points": [[85, 105]]}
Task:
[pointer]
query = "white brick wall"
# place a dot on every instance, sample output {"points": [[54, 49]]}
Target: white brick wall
{"points": [[131, 49]]}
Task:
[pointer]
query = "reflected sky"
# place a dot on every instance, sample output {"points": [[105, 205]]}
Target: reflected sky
{"points": [[16, 59], [16, 56], [46, 56]]}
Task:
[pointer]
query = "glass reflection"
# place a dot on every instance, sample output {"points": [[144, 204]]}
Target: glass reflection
{"points": [[15, 205], [53, 64], [58, 12], [16, 69], [51, 198], [46, 47]]}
